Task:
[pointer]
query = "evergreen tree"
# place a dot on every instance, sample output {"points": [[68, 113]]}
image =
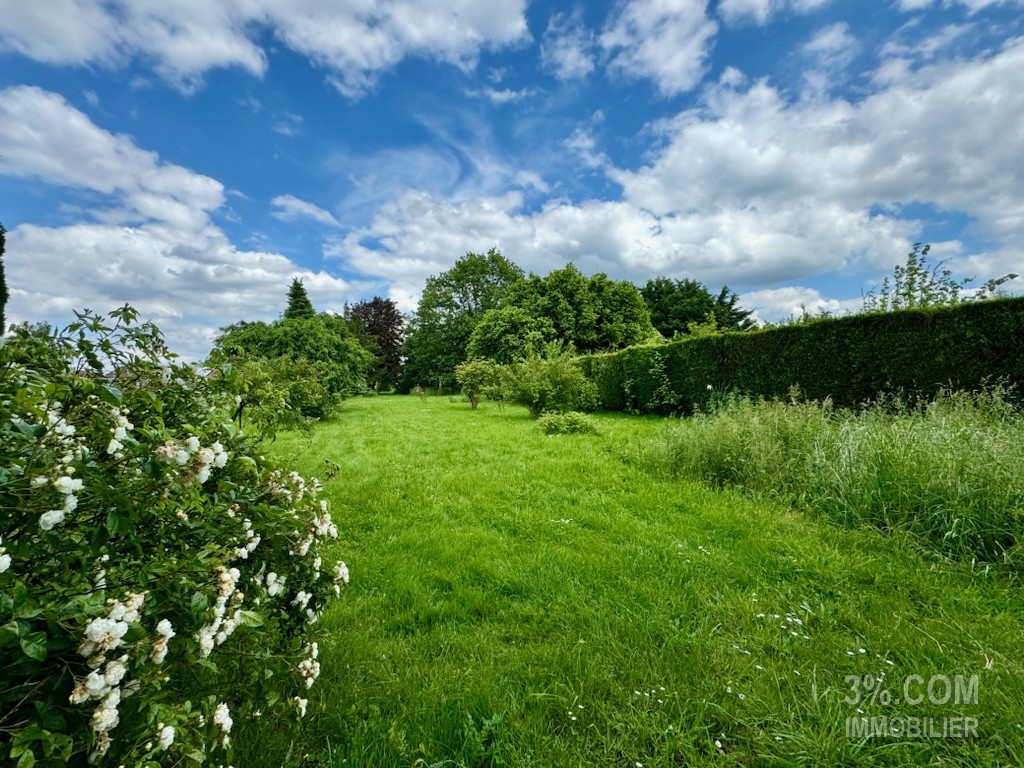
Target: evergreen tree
{"points": [[299, 305], [4, 295]]}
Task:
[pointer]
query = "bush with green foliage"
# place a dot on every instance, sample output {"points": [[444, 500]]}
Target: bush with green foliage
{"points": [[325, 346], [949, 471], [476, 377], [553, 383], [568, 423], [160, 580], [848, 360]]}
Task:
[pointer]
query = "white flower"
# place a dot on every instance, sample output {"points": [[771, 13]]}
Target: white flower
{"points": [[166, 737], [114, 446], [5, 562], [114, 672], [120, 433], [222, 717], [302, 599], [181, 456], [341, 572], [301, 704], [66, 484], [39, 481], [220, 460], [49, 519], [164, 628], [70, 503], [192, 444], [206, 456]]}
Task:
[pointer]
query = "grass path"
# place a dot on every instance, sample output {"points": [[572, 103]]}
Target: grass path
{"points": [[523, 600]]}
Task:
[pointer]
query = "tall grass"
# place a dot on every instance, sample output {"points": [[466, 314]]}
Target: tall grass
{"points": [[949, 471]]}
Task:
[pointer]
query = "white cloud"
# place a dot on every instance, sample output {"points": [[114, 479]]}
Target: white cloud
{"points": [[752, 190], [665, 40], [774, 305], [972, 6], [44, 137], [833, 46], [288, 124], [567, 50], [759, 11], [152, 243], [187, 38], [290, 208], [501, 96]]}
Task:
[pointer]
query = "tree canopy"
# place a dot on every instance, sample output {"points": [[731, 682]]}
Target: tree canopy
{"points": [[675, 304], [450, 308], [382, 327]]}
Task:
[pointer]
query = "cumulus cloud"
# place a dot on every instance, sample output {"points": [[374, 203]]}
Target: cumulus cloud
{"points": [[972, 6], [774, 305], [567, 50], [751, 189], [151, 242], [290, 208], [187, 38], [667, 41]]}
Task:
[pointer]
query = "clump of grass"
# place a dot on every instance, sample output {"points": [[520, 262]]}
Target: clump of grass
{"points": [[949, 471], [568, 423]]}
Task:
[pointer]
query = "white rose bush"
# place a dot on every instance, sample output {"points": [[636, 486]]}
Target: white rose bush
{"points": [[159, 579]]}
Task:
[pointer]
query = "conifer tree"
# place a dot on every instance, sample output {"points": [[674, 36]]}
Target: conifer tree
{"points": [[299, 305], [4, 295]]}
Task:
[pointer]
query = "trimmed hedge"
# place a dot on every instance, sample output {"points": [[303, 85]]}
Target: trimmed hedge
{"points": [[849, 359]]}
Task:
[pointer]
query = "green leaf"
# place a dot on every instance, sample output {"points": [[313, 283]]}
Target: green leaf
{"points": [[50, 717], [29, 430], [110, 394], [250, 619], [9, 634], [27, 760], [34, 645]]}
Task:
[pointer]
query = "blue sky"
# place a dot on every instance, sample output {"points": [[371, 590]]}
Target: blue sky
{"points": [[192, 157]]}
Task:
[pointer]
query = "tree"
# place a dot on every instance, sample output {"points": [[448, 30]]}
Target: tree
{"points": [[451, 306], [675, 304], [591, 314], [382, 326], [916, 283], [4, 294], [299, 305], [508, 335]]}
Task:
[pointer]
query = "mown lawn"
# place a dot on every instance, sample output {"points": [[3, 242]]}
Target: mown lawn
{"points": [[524, 600]]}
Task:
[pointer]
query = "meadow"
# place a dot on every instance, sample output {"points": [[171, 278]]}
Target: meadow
{"points": [[520, 599]]}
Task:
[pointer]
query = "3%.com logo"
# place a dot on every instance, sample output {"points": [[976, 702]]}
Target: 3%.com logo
{"points": [[915, 690]]}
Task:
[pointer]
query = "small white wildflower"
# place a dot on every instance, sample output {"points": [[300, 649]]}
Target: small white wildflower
{"points": [[222, 717], [5, 562], [39, 481], [301, 704], [192, 444]]}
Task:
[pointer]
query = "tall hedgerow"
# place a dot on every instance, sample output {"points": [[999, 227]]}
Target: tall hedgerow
{"points": [[159, 580]]}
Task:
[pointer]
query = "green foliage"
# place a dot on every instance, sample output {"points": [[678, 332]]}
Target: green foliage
{"points": [[382, 327], [553, 383], [676, 305], [949, 471], [848, 360], [509, 334], [475, 377], [299, 305], [591, 314], [450, 307], [919, 284], [322, 347], [4, 293], [568, 423], [158, 577]]}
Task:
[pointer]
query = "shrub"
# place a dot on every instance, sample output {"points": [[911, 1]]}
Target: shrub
{"points": [[948, 471], [475, 377], [847, 360], [568, 423], [159, 579], [554, 383]]}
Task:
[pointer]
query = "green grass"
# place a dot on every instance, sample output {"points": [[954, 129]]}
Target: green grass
{"points": [[520, 599], [949, 472]]}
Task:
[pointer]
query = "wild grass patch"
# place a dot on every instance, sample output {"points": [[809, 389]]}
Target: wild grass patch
{"points": [[950, 471]]}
